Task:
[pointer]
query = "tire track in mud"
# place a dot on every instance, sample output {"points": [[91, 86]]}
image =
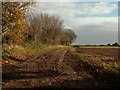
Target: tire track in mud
{"points": [[41, 68], [58, 68]]}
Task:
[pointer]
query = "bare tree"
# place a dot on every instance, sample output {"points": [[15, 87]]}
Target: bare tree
{"points": [[49, 29], [68, 37]]}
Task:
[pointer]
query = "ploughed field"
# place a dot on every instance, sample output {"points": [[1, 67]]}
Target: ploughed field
{"points": [[65, 68], [110, 52]]}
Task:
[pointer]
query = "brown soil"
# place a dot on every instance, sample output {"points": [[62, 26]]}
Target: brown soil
{"points": [[110, 52], [56, 69]]}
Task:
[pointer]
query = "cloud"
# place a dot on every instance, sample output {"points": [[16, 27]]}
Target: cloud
{"points": [[96, 37], [58, 0], [88, 20], [95, 30], [102, 23], [99, 8], [76, 0], [73, 9]]}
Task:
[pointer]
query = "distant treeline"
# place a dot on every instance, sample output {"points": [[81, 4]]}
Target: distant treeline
{"points": [[18, 27], [114, 44]]}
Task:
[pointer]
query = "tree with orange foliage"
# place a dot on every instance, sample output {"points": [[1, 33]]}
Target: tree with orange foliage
{"points": [[13, 21]]}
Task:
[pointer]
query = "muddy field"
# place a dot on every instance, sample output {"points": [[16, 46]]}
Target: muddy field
{"points": [[110, 52], [59, 69]]}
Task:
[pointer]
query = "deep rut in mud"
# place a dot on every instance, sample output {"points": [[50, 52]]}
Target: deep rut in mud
{"points": [[54, 69]]}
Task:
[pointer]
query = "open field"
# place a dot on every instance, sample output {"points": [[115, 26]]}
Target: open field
{"points": [[110, 52], [64, 67]]}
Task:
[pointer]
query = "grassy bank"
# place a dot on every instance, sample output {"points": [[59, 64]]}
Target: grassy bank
{"points": [[23, 52]]}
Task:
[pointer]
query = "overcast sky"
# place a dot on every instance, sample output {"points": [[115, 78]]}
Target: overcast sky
{"points": [[93, 23]]}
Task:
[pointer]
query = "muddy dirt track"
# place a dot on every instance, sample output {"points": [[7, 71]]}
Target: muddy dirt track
{"points": [[56, 69]]}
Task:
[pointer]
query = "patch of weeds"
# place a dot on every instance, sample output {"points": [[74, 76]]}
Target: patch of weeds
{"points": [[15, 51], [5, 54], [7, 51], [22, 52]]}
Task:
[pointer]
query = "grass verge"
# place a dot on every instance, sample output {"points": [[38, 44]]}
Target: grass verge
{"points": [[23, 52]]}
